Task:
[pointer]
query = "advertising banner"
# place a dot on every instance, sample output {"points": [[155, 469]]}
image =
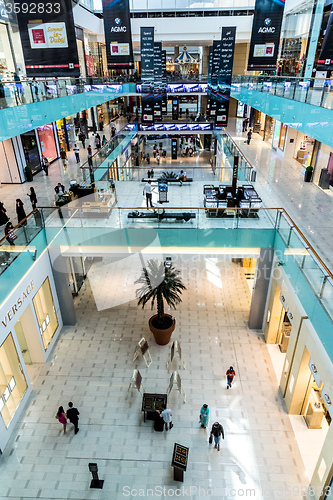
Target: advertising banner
{"points": [[118, 37], [227, 52], [325, 61], [212, 86], [147, 74], [48, 39], [265, 37], [209, 80], [158, 74], [164, 84]]}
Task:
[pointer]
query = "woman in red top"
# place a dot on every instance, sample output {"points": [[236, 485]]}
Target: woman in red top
{"points": [[230, 377], [62, 417]]}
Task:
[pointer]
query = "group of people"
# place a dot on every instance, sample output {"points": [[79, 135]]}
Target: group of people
{"points": [[21, 216], [217, 431], [72, 414]]}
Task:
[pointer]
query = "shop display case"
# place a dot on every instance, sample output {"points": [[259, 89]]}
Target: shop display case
{"points": [[218, 199], [99, 205], [314, 414]]}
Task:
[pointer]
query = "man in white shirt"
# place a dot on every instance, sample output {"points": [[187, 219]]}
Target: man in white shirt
{"points": [[77, 153], [148, 190], [166, 414]]}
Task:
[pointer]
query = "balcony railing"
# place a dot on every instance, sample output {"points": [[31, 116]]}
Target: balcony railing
{"points": [[315, 91]]}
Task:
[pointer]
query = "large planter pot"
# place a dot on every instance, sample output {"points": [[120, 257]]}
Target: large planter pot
{"points": [[162, 337]]}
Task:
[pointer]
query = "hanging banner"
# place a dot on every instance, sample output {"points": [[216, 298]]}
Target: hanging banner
{"points": [[227, 52], [209, 80], [48, 39], [147, 74], [164, 84], [158, 73], [325, 61], [118, 37], [212, 86], [265, 37]]}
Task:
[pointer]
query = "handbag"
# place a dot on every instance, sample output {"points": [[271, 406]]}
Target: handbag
{"points": [[210, 439]]}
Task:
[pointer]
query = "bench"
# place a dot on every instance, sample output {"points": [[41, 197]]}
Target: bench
{"points": [[188, 179], [185, 216]]}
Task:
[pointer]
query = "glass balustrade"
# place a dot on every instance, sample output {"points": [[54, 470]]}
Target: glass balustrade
{"points": [[315, 91]]}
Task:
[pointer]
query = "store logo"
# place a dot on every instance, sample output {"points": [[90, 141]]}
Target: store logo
{"points": [[118, 28], [267, 28], [19, 303], [327, 399], [314, 369]]}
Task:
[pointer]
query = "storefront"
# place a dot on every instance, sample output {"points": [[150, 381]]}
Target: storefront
{"points": [[31, 151], [11, 56], [269, 130], [30, 324], [301, 369], [322, 161], [66, 132]]}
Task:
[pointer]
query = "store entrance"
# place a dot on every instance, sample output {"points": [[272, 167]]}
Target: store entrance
{"points": [[279, 330]]}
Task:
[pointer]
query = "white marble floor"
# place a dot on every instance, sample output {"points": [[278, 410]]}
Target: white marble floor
{"points": [[92, 365], [280, 184]]}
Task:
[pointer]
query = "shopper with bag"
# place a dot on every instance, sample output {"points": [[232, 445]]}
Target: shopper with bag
{"points": [[216, 432]]}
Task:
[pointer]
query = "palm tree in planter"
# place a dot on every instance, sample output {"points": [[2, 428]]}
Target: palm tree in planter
{"points": [[159, 284]]}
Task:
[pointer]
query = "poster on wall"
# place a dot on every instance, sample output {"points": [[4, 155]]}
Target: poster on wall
{"points": [[227, 50], [325, 61], [265, 37], [164, 84], [147, 74], [48, 39], [212, 85], [118, 36]]}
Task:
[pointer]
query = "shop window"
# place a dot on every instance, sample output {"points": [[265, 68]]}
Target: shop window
{"points": [[47, 141], [12, 380], [45, 312]]}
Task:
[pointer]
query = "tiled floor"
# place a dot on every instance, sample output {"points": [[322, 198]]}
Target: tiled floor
{"points": [[92, 365]]}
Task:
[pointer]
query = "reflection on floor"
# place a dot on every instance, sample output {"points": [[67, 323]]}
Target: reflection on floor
{"points": [[277, 358], [92, 365]]}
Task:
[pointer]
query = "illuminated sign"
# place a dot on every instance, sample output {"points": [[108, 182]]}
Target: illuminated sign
{"points": [[18, 304], [180, 457]]}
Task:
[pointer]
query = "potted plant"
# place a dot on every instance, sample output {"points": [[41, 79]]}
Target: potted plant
{"points": [[160, 283]]}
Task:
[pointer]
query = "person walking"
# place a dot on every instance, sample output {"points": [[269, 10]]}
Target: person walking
{"points": [[216, 432], [230, 377], [244, 125], [249, 136], [63, 156], [90, 160], [148, 191], [204, 414], [82, 138], [148, 158], [45, 165], [166, 414], [21, 215], [61, 416], [10, 234], [33, 198], [76, 150], [97, 142], [3, 215], [73, 416], [154, 152], [104, 140], [158, 158]]}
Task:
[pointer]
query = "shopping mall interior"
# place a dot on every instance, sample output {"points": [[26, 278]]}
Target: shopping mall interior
{"points": [[166, 207]]}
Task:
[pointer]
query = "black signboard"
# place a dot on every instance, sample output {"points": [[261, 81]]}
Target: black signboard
{"points": [[118, 37], [180, 457], [325, 61], [212, 86], [158, 74], [265, 37], [227, 51], [164, 84], [48, 38], [147, 74], [210, 66]]}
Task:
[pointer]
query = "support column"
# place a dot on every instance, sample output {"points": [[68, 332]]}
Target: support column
{"points": [[260, 289], [61, 281], [316, 20], [205, 60]]}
